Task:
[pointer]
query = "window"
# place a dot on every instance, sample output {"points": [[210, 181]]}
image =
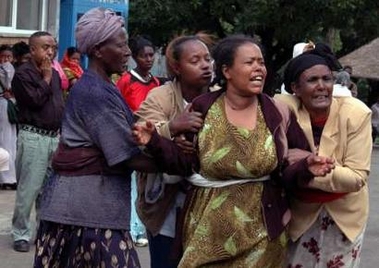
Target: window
{"points": [[108, 1], [6, 13], [29, 14], [26, 17]]}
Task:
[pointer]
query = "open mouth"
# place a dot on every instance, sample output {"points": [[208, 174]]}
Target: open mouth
{"points": [[207, 75], [321, 97], [257, 81], [258, 78]]}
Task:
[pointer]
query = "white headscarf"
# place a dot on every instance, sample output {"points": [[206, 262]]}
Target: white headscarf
{"points": [[6, 75], [298, 49]]}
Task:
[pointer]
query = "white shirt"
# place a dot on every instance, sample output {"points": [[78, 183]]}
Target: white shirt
{"points": [[4, 160], [341, 91]]}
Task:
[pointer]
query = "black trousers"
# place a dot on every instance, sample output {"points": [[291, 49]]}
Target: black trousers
{"points": [[160, 247]]}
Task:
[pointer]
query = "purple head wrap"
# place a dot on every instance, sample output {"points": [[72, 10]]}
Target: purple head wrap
{"points": [[96, 26]]}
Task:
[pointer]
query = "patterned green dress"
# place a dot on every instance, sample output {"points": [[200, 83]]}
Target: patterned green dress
{"points": [[224, 226]]}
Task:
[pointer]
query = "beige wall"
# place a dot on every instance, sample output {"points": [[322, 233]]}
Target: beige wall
{"points": [[12, 40]]}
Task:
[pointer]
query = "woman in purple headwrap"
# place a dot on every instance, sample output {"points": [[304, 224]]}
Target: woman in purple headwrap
{"points": [[85, 208]]}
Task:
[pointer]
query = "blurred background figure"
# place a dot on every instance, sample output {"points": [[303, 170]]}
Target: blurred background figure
{"points": [[341, 85], [21, 53], [6, 54], [134, 86], [56, 65], [353, 86], [8, 129], [159, 68], [375, 119], [71, 66]]}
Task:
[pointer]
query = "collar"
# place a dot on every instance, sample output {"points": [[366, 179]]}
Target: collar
{"points": [[139, 77]]}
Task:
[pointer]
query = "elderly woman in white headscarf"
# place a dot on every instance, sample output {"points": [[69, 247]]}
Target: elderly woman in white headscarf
{"points": [[8, 131], [85, 208]]}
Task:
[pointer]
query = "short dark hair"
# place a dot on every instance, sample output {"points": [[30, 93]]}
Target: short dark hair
{"points": [[37, 35], [19, 49], [71, 51], [5, 48], [136, 44]]}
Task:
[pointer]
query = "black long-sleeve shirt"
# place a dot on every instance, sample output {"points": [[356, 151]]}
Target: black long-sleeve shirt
{"points": [[40, 104]]}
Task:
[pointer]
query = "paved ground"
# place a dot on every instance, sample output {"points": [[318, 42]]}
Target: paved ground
{"points": [[11, 259]]}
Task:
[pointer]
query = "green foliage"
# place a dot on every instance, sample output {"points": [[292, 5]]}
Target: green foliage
{"points": [[344, 24]]}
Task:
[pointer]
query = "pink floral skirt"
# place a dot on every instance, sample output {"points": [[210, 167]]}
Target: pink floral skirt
{"points": [[324, 245]]}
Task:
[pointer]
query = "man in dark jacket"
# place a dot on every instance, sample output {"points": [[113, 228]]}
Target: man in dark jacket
{"points": [[36, 86]]}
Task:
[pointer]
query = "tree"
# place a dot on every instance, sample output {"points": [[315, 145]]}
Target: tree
{"points": [[344, 24]]}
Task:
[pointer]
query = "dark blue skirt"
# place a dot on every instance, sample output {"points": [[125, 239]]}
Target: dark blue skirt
{"points": [[60, 245]]}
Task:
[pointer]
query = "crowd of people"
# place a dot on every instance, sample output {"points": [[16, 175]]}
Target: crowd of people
{"points": [[201, 165]]}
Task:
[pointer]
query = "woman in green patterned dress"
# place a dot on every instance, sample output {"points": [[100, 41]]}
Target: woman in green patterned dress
{"points": [[237, 209]]}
